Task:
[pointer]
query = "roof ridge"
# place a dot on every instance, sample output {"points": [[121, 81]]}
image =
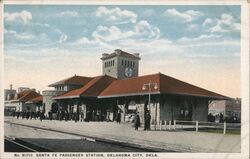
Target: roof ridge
{"points": [[139, 76], [29, 92], [65, 80]]}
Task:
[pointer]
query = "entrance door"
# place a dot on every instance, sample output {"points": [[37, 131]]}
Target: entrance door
{"points": [[185, 113]]}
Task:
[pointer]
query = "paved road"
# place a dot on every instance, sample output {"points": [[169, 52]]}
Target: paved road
{"points": [[58, 142]]}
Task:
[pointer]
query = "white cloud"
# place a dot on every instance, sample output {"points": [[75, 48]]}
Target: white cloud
{"points": [[86, 41], [68, 14], [218, 28], [225, 23], [143, 28], [186, 16], [23, 16], [110, 33], [226, 19], [63, 37], [192, 27], [207, 21], [116, 15], [19, 36], [140, 30], [201, 38]]}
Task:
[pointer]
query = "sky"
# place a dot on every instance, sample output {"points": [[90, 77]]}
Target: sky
{"points": [[196, 44]]}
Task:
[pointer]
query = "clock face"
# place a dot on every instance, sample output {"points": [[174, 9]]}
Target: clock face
{"points": [[128, 72]]}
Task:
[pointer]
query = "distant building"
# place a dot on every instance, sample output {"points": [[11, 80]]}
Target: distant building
{"points": [[121, 88], [229, 108], [23, 100], [60, 88], [9, 93]]}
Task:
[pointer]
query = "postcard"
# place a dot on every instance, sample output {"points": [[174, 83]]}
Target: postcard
{"points": [[125, 79]]}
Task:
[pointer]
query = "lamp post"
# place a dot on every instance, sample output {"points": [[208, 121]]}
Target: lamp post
{"points": [[149, 85]]}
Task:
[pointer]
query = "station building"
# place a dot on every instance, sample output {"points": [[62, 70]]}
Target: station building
{"points": [[24, 99], [120, 88]]}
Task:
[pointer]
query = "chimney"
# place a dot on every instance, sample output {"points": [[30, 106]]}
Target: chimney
{"points": [[105, 54], [118, 51], [11, 86], [136, 54]]}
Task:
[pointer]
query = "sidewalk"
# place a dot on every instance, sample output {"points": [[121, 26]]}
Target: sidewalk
{"points": [[181, 141]]}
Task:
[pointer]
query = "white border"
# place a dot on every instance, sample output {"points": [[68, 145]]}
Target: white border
{"points": [[244, 65]]}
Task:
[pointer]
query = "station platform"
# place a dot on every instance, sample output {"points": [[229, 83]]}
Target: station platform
{"points": [[124, 133]]}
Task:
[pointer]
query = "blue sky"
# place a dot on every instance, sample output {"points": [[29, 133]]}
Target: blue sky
{"points": [[197, 44]]}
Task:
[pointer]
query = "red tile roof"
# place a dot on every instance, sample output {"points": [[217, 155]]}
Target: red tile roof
{"points": [[120, 53], [91, 89], [26, 95], [166, 84], [131, 86], [74, 80], [171, 85], [37, 99]]}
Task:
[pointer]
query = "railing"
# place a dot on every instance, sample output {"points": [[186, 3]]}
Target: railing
{"points": [[198, 126]]}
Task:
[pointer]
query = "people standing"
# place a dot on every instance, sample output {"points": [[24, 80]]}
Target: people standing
{"points": [[147, 121], [41, 116], [50, 115], [137, 122], [17, 114], [221, 118], [76, 116], [66, 115], [27, 115], [88, 115], [82, 116], [118, 117], [93, 115]]}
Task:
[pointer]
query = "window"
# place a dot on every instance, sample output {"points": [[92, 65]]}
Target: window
{"points": [[130, 63], [133, 64], [125, 63], [122, 62]]}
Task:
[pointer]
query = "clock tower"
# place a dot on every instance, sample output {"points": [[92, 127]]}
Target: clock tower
{"points": [[120, 64]]}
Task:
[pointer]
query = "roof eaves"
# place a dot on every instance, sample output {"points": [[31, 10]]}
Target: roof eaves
{"points": [[66, 97], [126, 94], [197, 95]]}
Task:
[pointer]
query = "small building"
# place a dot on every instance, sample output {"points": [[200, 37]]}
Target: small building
{"points": [[25, 100], [228, 108], [62, 87]]}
